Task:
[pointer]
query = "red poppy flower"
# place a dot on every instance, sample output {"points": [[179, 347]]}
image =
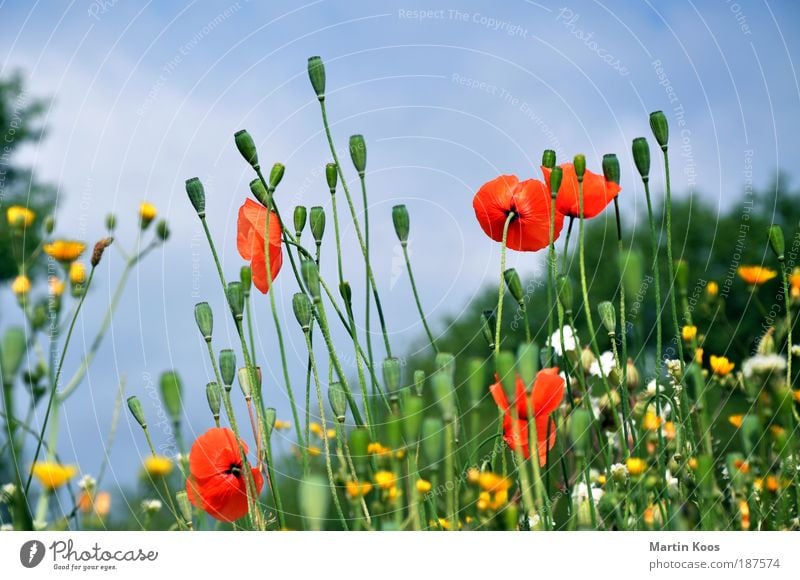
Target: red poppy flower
{"points": [[216, 483], [529, 229], [545, 397], [252, 226], [597, 192]]}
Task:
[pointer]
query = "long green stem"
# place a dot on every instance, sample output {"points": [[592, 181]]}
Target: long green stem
{"points": [[502, 285], [417, 300], [672, 300]]}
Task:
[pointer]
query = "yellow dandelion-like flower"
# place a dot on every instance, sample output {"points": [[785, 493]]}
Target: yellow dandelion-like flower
{"points": [[692, 463], [56, 286], [736, 420], [744, 513], [636, 466], [316, 429], [385, 479], [651, 421], [281, 425], [64, 251], [492, 482], [357, 489], [712, 289], [688, 333], [720, 365], [158, 466], [376, 448], [21, 285], [473, 474], [423, 486], [698, 356], [19, 216], [314, 451], [669, 430], [794, 281], [147, 212], [331, 433], [77, 273], [53, 475], [756, 275]]}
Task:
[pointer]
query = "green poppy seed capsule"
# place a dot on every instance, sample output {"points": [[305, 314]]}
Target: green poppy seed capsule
{"points": [[259, 191], [227, 367], [214, 398], [641, 157], [185, 507], [444, 393], [246, 278], [528, 362], [394, 431], [660, 127], [300, 215], [317, 222], [445, 362], [392, 372], [419, 382], [162, 230], [245, 382], [12, 352], [505, 367], [579, 163], [432, 439], [359, 444], [476, 379], [311, 278], [611, 168], [135, 407], [556, 175], [549, 158], [205, 319], [346, 293], [313, 497], [580, 422], [331, 176], [247, 147], [358, 153], [776, 241], [172, 394], [608, 316], [338, 400], [301, 305], [488, 327], [197, 195], [401, 222], [111, 222], [316, 74], [235, 293], [682, 276], [564, 292], [514, 285], [413, 413], [276, 175], [270, 416]]}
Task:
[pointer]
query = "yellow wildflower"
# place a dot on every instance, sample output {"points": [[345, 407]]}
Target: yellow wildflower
{"points": [[64, 251], [636, 465], [423, 486], [376, 448], [651, 421], [53, 475], [357, 489], [331, 433], [56, 286], [147, 213], [756, 275], [712, 289], [21, 285], [736, 420], [744, 512], [698, 356], [669, 430], [77, 273], [393, 493], [19, 216], [316, 429], [794, 282], [314, 451], [385, 479], [473, 474], [689, 332], [692, 463], [492, 482], [282, 425], [649, 515], [777, 430], [158, 466], [720, 365], [771, 483]]}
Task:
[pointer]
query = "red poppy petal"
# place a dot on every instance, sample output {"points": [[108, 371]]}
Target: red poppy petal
{"points": [[499, 395], [545, 426], [213, 453], [521, 399], [510, 436], [250, 222], [548, 392], [530, 231], [492, 204]]}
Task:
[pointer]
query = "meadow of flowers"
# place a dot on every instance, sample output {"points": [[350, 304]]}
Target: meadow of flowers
{"points": [[571, 430]]}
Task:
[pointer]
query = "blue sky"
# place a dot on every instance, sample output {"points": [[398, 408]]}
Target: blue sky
{"points": [[448, 95]]}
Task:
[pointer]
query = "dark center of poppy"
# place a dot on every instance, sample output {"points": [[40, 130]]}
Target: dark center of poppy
{"points": [[235, 470]]}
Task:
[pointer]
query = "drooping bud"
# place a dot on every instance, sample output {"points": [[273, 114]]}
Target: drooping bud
{"points": [[235, 294], [197, 195], [245, 382], [135, 407], [227, 367], [641, 156], [316, 74], [338, 400], [172, 394], [608, 316], [259, 191], [514, 285], [300, 214], [111, 222], [246, 278], [214, 398], [331, 176], [184, 507], [391, 375], [49, 224], [488, 321], [162, 230], [660, 127], [276, 175], [317, 223], [311, 278], [579, 163], [564, 292], [99, 248], [247, 147], [549, 158], [776, 241], [358, 153], [611, 168], [302, 310], [401, 222], [205, 319]]}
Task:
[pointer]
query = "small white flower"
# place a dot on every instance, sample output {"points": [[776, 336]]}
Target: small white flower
{"points": [[763, 364], [672, 482], [580, 493], [796, 350], [7, 492], [603, 366], [151, 505], [570, 343], [619, 472], [87, 483]]}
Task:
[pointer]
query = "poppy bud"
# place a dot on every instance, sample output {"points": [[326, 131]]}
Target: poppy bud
{"points": [[185, 507], [313, 496], [579, 163], [331, 176], [111, 222], [401, 222], [205, 319], [162, 230], [608, 316], [259, 192], [432, 439], [413, 411], [346, 293], [580, 430], [49, 224], [505, 367], [300, 214], [214, 398], [445, 362], [445, 394], [317, 223], [135, 407], [12, 351], [556, 174], [564, 292], [197, 195], [359, 444], [528, 362], [172, 394], [338, 400], [776, 241], [488, 327], [227, 367], [246, 278], [270, 416], [660, 127], [245, 382], [611, 168], [514, 285], [358, 153], [391, 375], [641, 156], [316, 74], [276, 175], [246, 147], [235, 294], [682, 276], [419, 381], [311, 278], [476, 379], [302, 310], [549, 158]]}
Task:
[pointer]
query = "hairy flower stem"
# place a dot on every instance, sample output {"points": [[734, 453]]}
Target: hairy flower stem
{"points": [[627, 421], [672, 301], [502, 285], [404, 245], [787, 301], [450, 472]]}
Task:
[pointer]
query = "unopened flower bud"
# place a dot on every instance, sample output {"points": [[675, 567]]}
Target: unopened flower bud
{"points": [[488, 327], [316, 74], [776, 241], [259, 191], [247, 147], [391, 375], [184, 507], [197, 195], [205, 319], [111, 222], [172, 394], [445, 362], [579, 163], [302, 310], [235, 294], [556, 175], [245, 382], [338, 400], [444, 394], [641, 156], [549, 158], [246, 278], [358, 153], [162, 230], [311, 278], [580, 422], [135, 407], [413, 413], [300, 214], [317, 223], [587, 358], [419, 382], [564, 292], [608, 316], [660, 127], [611, 168], [49, 224], [401, 222], [270, 416], [331, 176], [346, 293], [476, 380], [276, 175], [99, 248], [214, 398], [514, 285], [632, 376], [432, 439], [528, 362], [227, 367]]}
